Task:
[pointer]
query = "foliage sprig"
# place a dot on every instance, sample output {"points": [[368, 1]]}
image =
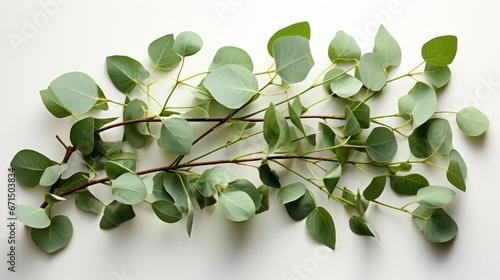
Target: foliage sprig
{"points": [[291, 142]]}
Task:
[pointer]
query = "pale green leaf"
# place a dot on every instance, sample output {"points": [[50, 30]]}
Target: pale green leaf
{"points": [[372, 72], [129, 189], [161, 53], [176, 184], [424, 103], [231, 55], [52, 199], [76, 91], [440, 227], [435, 196], [236, 206], [176, 136], [246, 186], [321, 227], [276, 130], [343, 47], [292, 192], [52, 174], [302, 29], [125, 72], [293, 58], [54, 237], [344, 85], [434, 136], [438, 76], [187, 43], [454, 154], [232, 85], [472, 122], [211, 178], [387, 48], [32, 216]]}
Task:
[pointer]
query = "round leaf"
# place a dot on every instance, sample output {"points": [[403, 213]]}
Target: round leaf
{"points": [[302, 29], [236, 206], [343, 47], [76, 91], [320, 226], [344, 85], [440, 227], [176, 136], [30, 166], [435, 196], [32, 216], [381, 144], [161, 53], [53, 104], [166, 211], [231, 55], [246, 186], [424, 103], [472, 122], [372, 72], [187, 43], [86, 201], [293, 58], [125, 72], [52, 174], [375, 188], [291, 192], [82, 135], [440, 51], [136, 134], [54, 237], [438, 76], [409, 184], [300, 208], [231, 85], [129, 189]]}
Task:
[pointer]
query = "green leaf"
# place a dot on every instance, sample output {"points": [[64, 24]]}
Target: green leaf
{"points": [[440, 227], [435, 196], [344, 85], [32, 216], [472, 122], [438, 76], [293, 58], [343, 153], [423, 214], [30, 166], [77, 179], [76, 91], [231, 55], [189, 220], [187, 43], [405, 106], [300, 208], [381, 145], [372, 72], [115, 170], [231, 85], [196, 113], [343, 47], [402, 167], [176, 184], [82, 135], [176, 136], [361, 112], [433, 136], [291, 192], [54, 237], [52, 199], [99, 123], [328, 135], [166, 211], [332, 177], [211, 178], [455, 155], [375, 188], [387, 48], [245, 186], [236, 206], [409, 184], [52, 174], [129, 189], [239, 127], [159, 191], [320, 226], [424, 103], [359, 226], [455, 176], [295, 118], [116, 213], [161, 53], [351, 126], [302, 29], [86, 201], [125, 159], [264, 199], [268, 176], [102, 103], [136, 134], [440, 51], [276, 129], [125, 72], [53, 104]]}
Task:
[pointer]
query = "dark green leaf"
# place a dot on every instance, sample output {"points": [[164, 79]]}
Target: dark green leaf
{"points": [[159, 190], [351, 126], [361, 112], [117, 213], [30, 166], [115, 170], [403, 167], [359, 226], [440, 227], [332, 177], [381, 145], [75, 180], [136, 134], [375, 188], [434, 136], [300, 208], [268, 176], [161, 53], [297, 29], [440, 51], [125, 72], [264, 199], [82, 135], [276, 129], [409, 184], [176, 136], [320, 226], [52, 199], [454, 154], [54, 237], [86, 201], [166, 211], [176, 185], [455, 176], [53, 104]]}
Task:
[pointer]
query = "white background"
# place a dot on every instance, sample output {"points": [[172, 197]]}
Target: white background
{"points": [[76, 35]]}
